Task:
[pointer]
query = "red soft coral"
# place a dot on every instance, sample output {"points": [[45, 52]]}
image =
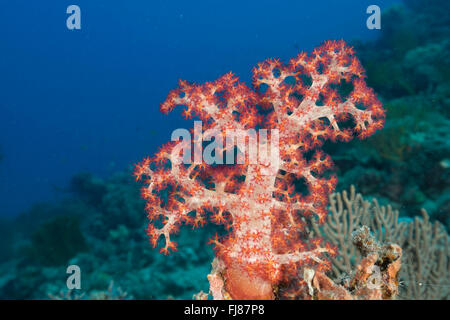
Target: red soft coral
{"points": [[302, 104]]}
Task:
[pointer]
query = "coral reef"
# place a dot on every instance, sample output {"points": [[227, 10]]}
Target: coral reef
{"points": [[411, 56], [145, 274], [425, 272], [258, 202], [117, 249], [56, 241], [375, 278], [405, 165], [408, 66], [112, 293], [7, 243]]}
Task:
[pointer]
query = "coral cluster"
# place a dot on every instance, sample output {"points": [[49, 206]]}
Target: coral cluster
{"points": [[375, 278], [425, 271], [302, 103], [409, 67]]}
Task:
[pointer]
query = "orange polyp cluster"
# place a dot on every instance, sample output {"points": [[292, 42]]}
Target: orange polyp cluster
{"points": [[263, 212]]}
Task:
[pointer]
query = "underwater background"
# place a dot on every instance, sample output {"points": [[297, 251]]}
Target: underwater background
{"points": [[79, 107]]}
